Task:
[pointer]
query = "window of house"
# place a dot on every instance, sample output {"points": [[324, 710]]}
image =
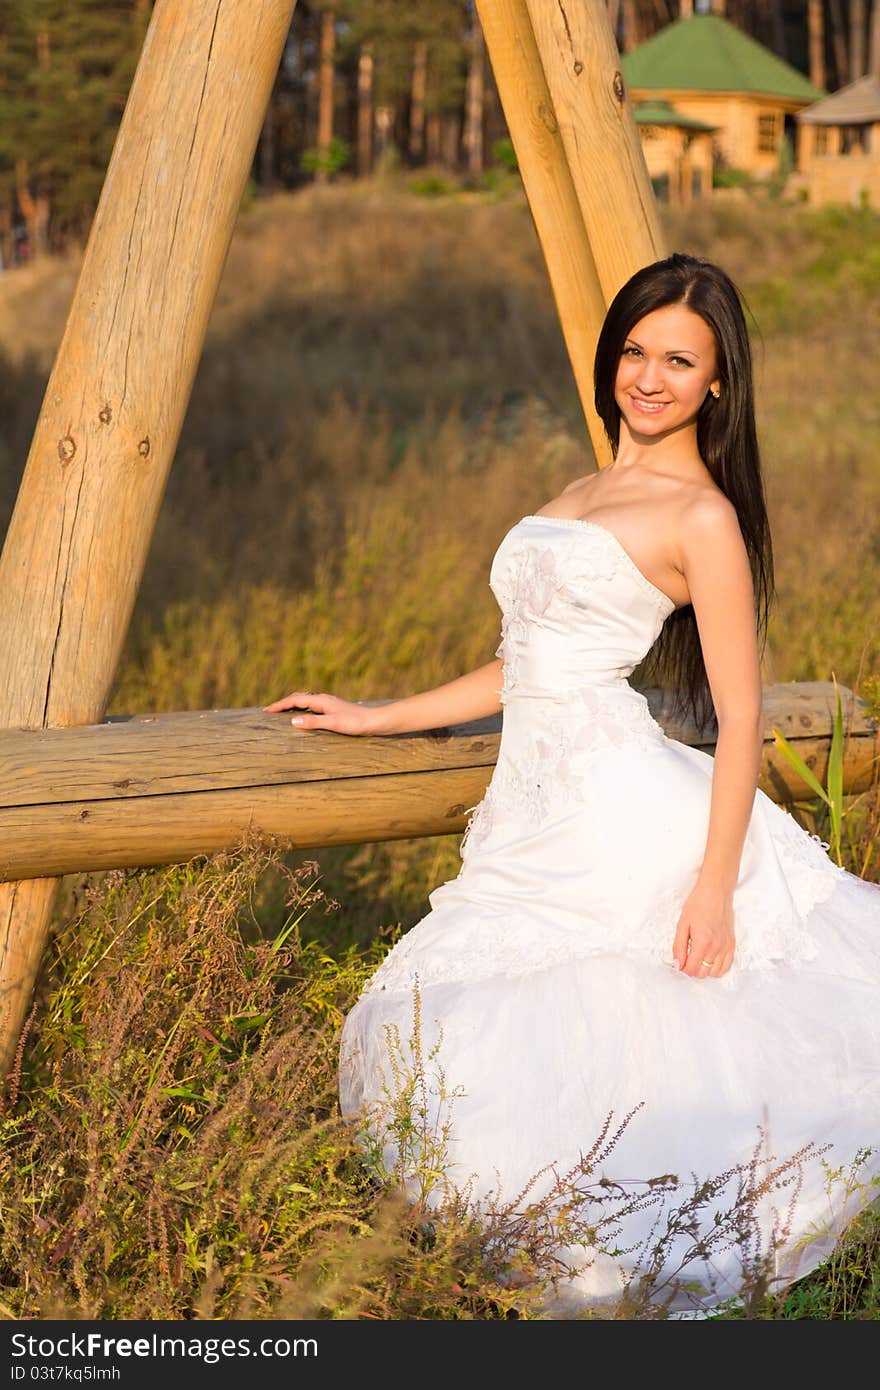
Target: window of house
{"points": [[821, 139], [767, 132]]}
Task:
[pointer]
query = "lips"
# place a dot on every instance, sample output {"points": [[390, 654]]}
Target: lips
{"points": [[649, 407]]}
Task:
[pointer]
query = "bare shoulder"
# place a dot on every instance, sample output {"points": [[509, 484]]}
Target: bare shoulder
{"points": [[708, 517], [577, 484]]}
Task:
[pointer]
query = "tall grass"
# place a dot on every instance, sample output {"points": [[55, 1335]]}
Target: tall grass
{"points": [[384, 391]]}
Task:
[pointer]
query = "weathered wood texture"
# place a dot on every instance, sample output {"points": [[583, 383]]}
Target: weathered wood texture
{"points": [[157, 788], [534, 128], [116, 398], [600, 137]]}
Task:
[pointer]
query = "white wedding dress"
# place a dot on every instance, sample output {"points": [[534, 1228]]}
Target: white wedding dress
{"points": [[548, 994]]}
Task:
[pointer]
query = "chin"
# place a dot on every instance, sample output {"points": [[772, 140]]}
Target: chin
{"points": [[647, 424]]}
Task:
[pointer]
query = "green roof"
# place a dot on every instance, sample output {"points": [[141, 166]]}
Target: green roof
{"points": [[660, 113], [706, 53]]}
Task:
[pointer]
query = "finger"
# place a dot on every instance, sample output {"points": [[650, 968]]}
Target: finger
{"points": [[701, 962], [680, 945], [296, 698], [300, 699]]}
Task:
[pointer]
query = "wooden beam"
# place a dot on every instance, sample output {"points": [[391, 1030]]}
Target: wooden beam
{"points": [[535, 132], [600, 137], [113, 409], [154, 789]]}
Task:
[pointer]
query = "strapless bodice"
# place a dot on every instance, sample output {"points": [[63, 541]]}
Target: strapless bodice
{"points": [[576, 609]]}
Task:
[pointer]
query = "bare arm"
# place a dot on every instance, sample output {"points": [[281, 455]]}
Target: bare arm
{"points": [[472, 696], [720, 583]]}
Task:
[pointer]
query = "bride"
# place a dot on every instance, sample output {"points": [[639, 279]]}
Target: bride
{"points": [[639, 942]]}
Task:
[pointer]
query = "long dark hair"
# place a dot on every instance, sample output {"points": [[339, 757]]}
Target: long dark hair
{"points": [[727, 441]]}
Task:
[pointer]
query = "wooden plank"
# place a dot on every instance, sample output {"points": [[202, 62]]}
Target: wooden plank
{"points": [[160, 788], [165, 829], [154, 755], [212, 750], [70, 836]]}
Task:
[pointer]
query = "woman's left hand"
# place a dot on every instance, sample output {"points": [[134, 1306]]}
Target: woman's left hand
{"points": [[705, 942]]}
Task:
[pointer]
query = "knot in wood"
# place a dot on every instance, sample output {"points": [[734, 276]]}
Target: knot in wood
{"points": [[578, 67], [144, 447], [618, 87], [66, 449], [105, 415], [548, 116]]}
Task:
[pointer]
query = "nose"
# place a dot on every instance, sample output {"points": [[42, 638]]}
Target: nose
{"points": [[649, 378]]}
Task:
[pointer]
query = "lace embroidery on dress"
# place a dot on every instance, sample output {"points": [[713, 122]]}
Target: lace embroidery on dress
{"points": [[550, 773], [510, 945], [812, 876], [535, 581]]}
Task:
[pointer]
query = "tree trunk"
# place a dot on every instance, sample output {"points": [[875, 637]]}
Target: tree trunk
{"points": [[816, 40], [857, 66], [685, 9], [433, 138], [632, 33], [112, 412], [384, 121], [417, 101], [838, 38], [267, 151], [35, 209], [473, 129], [780, 47], [874, 55], [365, 111], [325, 93], [450, 141], [614, 15]]}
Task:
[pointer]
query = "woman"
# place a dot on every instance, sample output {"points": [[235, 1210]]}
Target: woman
{"points": [[636, 930]]}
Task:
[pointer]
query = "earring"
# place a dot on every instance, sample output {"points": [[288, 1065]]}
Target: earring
{"points": [[717, 393]]}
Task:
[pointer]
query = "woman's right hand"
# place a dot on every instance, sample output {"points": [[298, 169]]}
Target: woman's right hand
{"points": [[326, 712]]}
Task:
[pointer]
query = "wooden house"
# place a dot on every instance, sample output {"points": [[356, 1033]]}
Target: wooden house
{"points": [[678, 151], [838, 149], [706, 69]]}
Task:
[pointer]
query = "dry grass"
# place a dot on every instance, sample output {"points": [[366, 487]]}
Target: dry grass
{"points": [[384, 391], [172, 1148]]}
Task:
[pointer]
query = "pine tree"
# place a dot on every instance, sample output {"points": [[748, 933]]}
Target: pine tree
{"points": [[419, 68], [65, 72]]}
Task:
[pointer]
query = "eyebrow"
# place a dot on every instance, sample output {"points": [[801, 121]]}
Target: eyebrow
{"points": [[671, 352]]}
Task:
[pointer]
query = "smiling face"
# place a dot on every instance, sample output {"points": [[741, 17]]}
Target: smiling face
{"points": [[667, 366]]}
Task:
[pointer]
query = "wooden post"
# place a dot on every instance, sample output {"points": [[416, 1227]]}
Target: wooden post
{"points": [[535, 132], [112, 412], [600, 137]]}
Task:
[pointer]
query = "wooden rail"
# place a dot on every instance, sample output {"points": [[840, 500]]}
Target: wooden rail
{"points": [[154, 789]]}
